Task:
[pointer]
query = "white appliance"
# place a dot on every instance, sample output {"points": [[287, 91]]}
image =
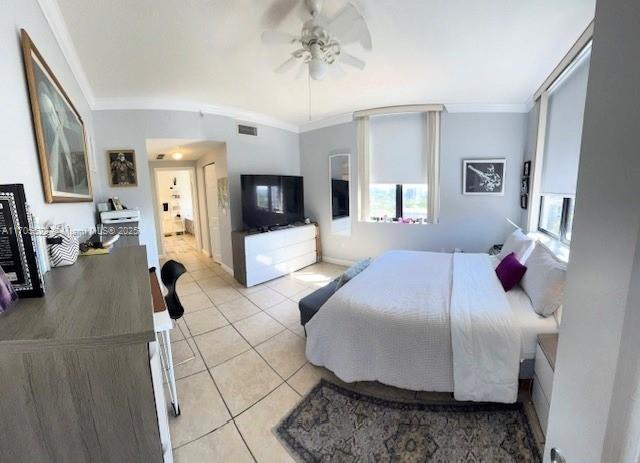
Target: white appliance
{"points": [[126, 215], [124, 224]]}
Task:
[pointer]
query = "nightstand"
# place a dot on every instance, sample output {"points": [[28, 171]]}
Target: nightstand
{"points": [[543, 378]]}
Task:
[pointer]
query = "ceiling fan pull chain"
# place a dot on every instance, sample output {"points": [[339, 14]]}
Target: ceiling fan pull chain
{"points": [[309, 86]]}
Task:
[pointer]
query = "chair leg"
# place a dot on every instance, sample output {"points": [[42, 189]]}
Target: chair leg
{"points": [[172, 377], [163, 362]]}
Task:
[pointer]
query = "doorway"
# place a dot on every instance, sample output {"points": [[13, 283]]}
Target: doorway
{"points": [[177, 208], [213, 218]]}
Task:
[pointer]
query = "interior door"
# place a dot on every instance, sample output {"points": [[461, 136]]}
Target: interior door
{"points": [[213, 222]]}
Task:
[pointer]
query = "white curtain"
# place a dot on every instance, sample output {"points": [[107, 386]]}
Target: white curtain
{"points": [[432, 126], [363, 168]]}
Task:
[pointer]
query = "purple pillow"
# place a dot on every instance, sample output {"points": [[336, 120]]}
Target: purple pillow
{"points": [[510, 271]]}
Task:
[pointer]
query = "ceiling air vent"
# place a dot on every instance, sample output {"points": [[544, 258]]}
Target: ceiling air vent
{"points": [[247, 130], [160, 156]]}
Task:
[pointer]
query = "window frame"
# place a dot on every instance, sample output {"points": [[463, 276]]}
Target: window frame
{"points": [[567, 202]]}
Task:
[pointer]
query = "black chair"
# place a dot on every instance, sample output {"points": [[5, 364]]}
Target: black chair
{"points": [[170, 272], [169, 275]]}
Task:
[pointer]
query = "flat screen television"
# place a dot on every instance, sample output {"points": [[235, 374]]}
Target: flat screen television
{"points": [[271, 200]]}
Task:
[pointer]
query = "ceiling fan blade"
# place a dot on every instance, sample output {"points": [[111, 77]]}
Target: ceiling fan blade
{"points": [[358, 34], [277, 37], [302, 70], [343, 20], [350, 60], [278, 12], [287, 65], [337, 71]]}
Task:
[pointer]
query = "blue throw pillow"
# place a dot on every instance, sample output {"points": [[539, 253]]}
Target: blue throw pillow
{"points": [[353, 271]]}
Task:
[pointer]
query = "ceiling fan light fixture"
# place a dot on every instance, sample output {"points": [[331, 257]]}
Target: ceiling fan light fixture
{"points": [[177, 155], [317, 69]]}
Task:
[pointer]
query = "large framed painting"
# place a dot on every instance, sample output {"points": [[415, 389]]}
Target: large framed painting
{"points": [[59, 132], [483, 176], [122, 168]]}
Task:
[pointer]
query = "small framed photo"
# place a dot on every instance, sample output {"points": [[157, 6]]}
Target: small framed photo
{"points": [[524, 186], [122, 168], [483, 176], [524, 201], [526, 171]]}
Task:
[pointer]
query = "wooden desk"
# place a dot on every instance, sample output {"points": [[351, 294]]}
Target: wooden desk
{"points": [[75, 366]]}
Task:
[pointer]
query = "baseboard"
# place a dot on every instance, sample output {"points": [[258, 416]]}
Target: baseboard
{"points": [[226, 268], [205, 252], [334, 260]]}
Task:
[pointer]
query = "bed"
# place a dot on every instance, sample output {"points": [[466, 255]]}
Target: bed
{"points": [[428, 321]]}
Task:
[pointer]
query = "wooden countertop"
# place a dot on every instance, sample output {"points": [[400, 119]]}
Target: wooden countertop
{"points": [[102, 300]]}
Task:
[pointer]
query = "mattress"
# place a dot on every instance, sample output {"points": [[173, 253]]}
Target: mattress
{"points": [[531, 324]]}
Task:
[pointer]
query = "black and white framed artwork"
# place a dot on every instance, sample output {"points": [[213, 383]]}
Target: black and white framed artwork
{"points": [[483, 176]]}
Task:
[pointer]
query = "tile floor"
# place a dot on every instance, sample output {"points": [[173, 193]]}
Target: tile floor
{"points": [[249, 369]]}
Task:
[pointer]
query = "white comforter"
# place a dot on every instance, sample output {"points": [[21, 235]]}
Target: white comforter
{"points": [[421, 321]]}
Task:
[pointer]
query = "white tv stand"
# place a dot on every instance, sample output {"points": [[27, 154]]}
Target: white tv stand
{"points": [[260, 257]]}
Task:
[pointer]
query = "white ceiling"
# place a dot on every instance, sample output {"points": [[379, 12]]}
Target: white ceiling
{"points": [[424, 51], [191, 150]]}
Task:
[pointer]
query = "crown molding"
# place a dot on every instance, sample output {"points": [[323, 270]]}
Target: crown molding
{"points": [[326, 122], [487, 108], [160, 104], [54, 17]]}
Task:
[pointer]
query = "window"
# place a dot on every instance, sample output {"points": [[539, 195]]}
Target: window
{"points": [[556, 217], [414, 201], [393, 201], [398, 170], [382, 200]]}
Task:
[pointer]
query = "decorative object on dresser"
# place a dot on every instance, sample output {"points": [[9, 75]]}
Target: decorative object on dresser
{"points": [[7, 294], [59, 131], [483, 176], [543, 377], [260, 257], [18, 254], [63, 246], [122, 168]]}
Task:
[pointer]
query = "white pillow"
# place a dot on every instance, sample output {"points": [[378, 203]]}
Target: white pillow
{"points": [[519, 244], [544, 280]]}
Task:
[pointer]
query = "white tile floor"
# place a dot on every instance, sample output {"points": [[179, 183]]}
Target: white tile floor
{"points": [[250, 369]]}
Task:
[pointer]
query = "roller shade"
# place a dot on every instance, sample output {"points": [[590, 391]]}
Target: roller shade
{"points": [[564, 130], [398, 148]]}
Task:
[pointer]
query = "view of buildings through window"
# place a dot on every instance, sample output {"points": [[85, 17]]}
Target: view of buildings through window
{"points": [[393, 201]]}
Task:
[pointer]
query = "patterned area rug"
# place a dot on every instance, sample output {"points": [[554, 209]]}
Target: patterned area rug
{"points": [[332, 424]]}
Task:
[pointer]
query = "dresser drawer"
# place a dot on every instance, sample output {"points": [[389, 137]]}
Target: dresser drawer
{"points": [[270, 241], [540, 403], [267, 273], [543, 373]]}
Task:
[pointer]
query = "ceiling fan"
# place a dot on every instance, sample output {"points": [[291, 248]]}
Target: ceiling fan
{"points": [[321, 39]]}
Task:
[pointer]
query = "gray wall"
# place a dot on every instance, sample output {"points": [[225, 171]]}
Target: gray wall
{"points": [[472, 223], [18, 156], [219, 158], [273, 151], [605, 236]]}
